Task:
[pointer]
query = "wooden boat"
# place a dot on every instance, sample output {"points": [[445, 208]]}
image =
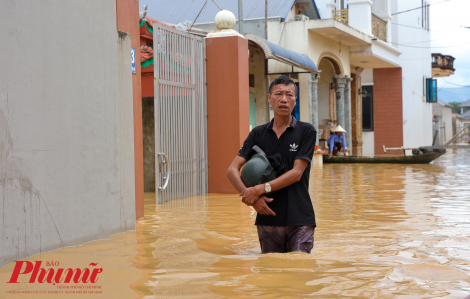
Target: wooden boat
{"points": [[422, 156]]}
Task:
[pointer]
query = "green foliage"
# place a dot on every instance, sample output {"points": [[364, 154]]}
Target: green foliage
{"points": [[455, 105]]}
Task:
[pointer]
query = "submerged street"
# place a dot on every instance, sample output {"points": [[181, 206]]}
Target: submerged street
{"points": [[383, 231]]}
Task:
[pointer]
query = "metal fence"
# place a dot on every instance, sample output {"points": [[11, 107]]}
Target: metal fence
{"points": [[180, 114]]}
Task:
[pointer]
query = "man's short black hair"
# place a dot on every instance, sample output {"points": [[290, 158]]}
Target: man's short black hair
{"points": [[282, 80]]}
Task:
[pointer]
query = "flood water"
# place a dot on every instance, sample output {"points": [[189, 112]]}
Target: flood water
{"points": [[383, 231]]}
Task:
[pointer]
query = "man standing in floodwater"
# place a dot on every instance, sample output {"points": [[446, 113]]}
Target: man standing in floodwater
{"points": [[285, 222]]}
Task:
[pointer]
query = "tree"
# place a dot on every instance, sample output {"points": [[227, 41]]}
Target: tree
{"points": [[455, 105]]}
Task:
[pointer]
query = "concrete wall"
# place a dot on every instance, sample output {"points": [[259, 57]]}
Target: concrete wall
{"points": [[127, 13], [367, 77], [445, 123], [258, 69], [323, 96], [295, 35], [318, 45], [415, 62], [66, 132], [368, 147], [253, 26], [326, 78]]}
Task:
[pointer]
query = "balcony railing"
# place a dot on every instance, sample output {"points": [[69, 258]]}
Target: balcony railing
{"points": [[379, 28], [442, 61], [341, 15], [442, 65]]}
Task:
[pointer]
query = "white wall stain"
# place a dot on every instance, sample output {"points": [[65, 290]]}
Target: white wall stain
{"points": [[66, 127]]}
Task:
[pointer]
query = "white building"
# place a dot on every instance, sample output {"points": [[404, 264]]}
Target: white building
{"points": [[442, 123]]}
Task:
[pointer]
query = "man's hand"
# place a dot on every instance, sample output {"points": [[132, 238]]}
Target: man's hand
{"points": [[262, 208], [251, 195]]}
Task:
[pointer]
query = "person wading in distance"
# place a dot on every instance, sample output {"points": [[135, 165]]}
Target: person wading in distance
{"points": [[285, 222]]}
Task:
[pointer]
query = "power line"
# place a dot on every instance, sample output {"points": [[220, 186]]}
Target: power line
{"points": [[431, 47], [455, 84], [425, 28], [459, 94], [442, 87], [417, 27], [216, 5], [421, 7], [426, 41], [205, 3]]}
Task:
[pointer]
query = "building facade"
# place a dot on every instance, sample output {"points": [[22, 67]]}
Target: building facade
{"points": [[67, 120], [372, 65]]}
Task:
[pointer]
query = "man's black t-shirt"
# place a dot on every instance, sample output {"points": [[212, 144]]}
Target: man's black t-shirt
{"points": [[291, 204]]}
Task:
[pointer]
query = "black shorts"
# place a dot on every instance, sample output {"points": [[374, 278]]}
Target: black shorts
{"points": [[286, 238]]}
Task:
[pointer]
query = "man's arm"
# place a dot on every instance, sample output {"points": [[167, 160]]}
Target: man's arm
{"points": [[344, 144], [251, 195], [233, 174]]}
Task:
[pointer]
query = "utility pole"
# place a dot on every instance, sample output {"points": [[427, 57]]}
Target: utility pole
{"points": [[266, 19], [240, 16]]}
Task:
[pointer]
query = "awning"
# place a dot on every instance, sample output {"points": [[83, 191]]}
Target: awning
{"points": [[273, 51]]}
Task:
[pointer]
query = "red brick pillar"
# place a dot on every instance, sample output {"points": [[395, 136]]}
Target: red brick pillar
{"points": [[228, 111], [388, 109]]}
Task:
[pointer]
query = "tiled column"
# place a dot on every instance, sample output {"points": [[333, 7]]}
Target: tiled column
{"points": [[340, 84], [347, 113], [313, 100], [356, 112], [228, 111], [388, 109]]}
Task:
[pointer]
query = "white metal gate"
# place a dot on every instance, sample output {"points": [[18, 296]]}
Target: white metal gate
{"points": [[180, 114]]}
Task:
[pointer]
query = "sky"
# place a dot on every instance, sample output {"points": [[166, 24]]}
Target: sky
{"points": [[448, 37]]}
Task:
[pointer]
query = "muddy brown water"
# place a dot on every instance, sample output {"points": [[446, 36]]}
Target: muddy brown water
{"points": [[384, 231]]}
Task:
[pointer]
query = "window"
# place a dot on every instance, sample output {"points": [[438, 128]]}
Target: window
{"points": [[431, 90], [367, 108]]}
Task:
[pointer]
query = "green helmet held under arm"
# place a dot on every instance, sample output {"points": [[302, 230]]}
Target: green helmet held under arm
{"points": [[257, 171]]}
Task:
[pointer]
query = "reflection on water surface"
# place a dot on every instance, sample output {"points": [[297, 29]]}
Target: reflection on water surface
{"points": [[384, 231]]}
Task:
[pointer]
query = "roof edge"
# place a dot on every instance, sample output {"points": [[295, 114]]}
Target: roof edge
{"points": [[267, 46], [287, 13]]}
